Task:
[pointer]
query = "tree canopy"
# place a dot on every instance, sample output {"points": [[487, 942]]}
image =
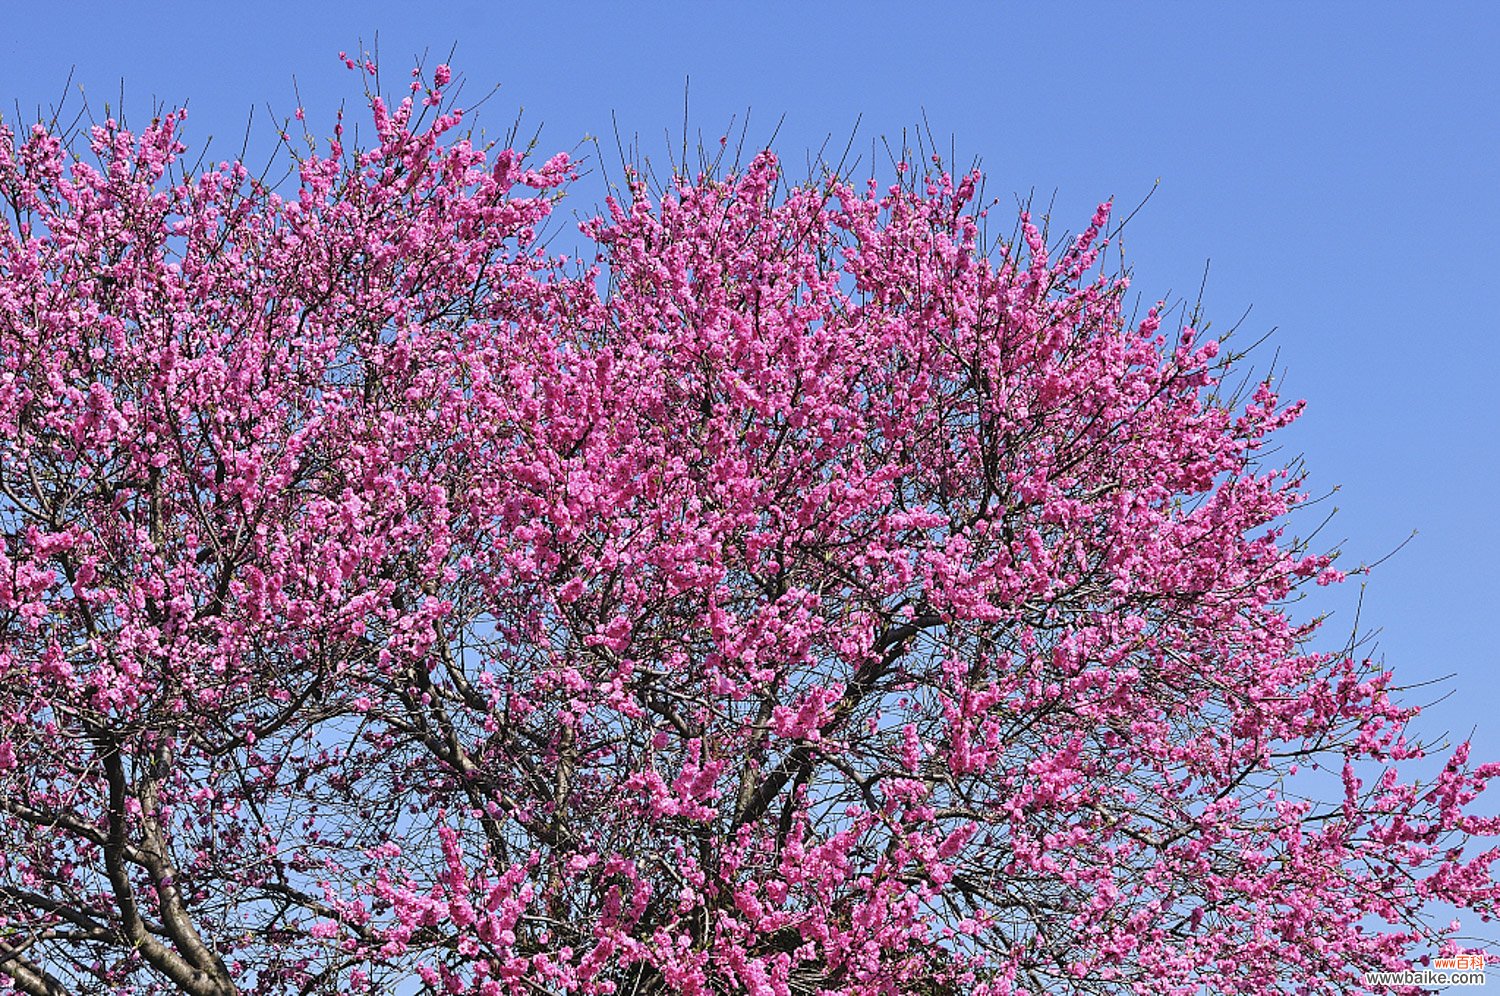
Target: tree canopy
{"points": [[804, 592]]}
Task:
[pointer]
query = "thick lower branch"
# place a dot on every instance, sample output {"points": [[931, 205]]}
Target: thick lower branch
{"points": [[28, 977], [205, 977]]}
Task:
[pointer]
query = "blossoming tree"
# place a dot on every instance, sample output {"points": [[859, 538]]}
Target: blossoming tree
{"points": [[802, 595]]}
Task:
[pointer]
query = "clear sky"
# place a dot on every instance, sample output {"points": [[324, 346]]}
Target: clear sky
{"points": [[1338, 162]]}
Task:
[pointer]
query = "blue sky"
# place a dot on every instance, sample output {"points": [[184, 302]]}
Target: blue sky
{"points": [[1339, 163]]}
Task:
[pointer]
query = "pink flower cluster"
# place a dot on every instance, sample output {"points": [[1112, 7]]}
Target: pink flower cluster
{"points": [[808, 593]]}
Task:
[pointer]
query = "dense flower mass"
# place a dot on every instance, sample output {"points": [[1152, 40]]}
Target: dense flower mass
{"points": [[806, 595]]}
